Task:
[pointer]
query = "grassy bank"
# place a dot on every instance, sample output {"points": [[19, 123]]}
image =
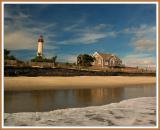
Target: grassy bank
{"points": [[28, 71]]}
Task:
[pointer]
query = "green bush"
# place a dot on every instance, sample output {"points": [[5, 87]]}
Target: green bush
{"points": [[42, 59], [85, 60]]}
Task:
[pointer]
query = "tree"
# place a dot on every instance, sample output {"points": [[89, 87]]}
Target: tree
{"points": [[54, 59], [12, 57], [37, 59], [7, 56], [43, 59], [85, 60], [6, 52]]}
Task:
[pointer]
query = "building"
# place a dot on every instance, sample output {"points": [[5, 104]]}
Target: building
{"points": [[106, 60], [40, 46]]}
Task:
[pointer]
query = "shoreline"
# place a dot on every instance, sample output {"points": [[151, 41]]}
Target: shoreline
{"points": [[31, 72], [131, 112], [76, 82]]}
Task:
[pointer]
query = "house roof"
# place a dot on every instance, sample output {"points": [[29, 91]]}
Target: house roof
{"points": [[105, 55]]}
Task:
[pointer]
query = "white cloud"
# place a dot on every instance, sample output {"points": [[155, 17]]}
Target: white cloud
{"points": [[91, 37], [67, 58], [71, 27], [143, 42], [26, 39], [143, 60], [19, 40], [48, 26], [144, 38], [141, 31], [88, 35], [87, 38], [22, 16], [103, 26], [18, 35], [78, 28]]}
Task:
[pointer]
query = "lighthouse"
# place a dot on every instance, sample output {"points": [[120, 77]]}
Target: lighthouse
{"points": [[40, 46]]}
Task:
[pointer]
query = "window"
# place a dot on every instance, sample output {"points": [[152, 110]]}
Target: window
{"points": [[106, 62], [112, 62], [99, 61]]}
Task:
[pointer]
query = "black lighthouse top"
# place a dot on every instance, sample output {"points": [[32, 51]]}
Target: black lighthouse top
{"points": [[40, 39]]}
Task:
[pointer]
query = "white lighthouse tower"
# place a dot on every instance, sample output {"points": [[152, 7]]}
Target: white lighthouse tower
{"points": [[40, 46]]}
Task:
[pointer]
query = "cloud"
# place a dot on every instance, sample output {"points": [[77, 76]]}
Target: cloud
{"points": [[71, 27], [48, 26], [23, 26], [26, 39], [141, 30], [103, 26], [78, 28], [22, 16], [91, 37], [88, 34], [67, 58], [87, 38], [144, 44], [20, 40], [144, 38], [143, 60], [19, 35], [18, 18]]}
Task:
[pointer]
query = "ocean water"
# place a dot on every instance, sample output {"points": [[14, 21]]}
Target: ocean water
{"points": [[48, 100]]}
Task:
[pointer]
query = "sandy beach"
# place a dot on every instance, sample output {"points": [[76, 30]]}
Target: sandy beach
{"points": [[46, 83], [131, 112]]}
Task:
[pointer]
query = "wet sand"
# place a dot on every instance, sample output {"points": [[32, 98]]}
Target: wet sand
{"points": [[77, 82]]}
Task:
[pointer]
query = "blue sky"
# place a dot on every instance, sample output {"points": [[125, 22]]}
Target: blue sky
{"points": [[127, 30]]}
